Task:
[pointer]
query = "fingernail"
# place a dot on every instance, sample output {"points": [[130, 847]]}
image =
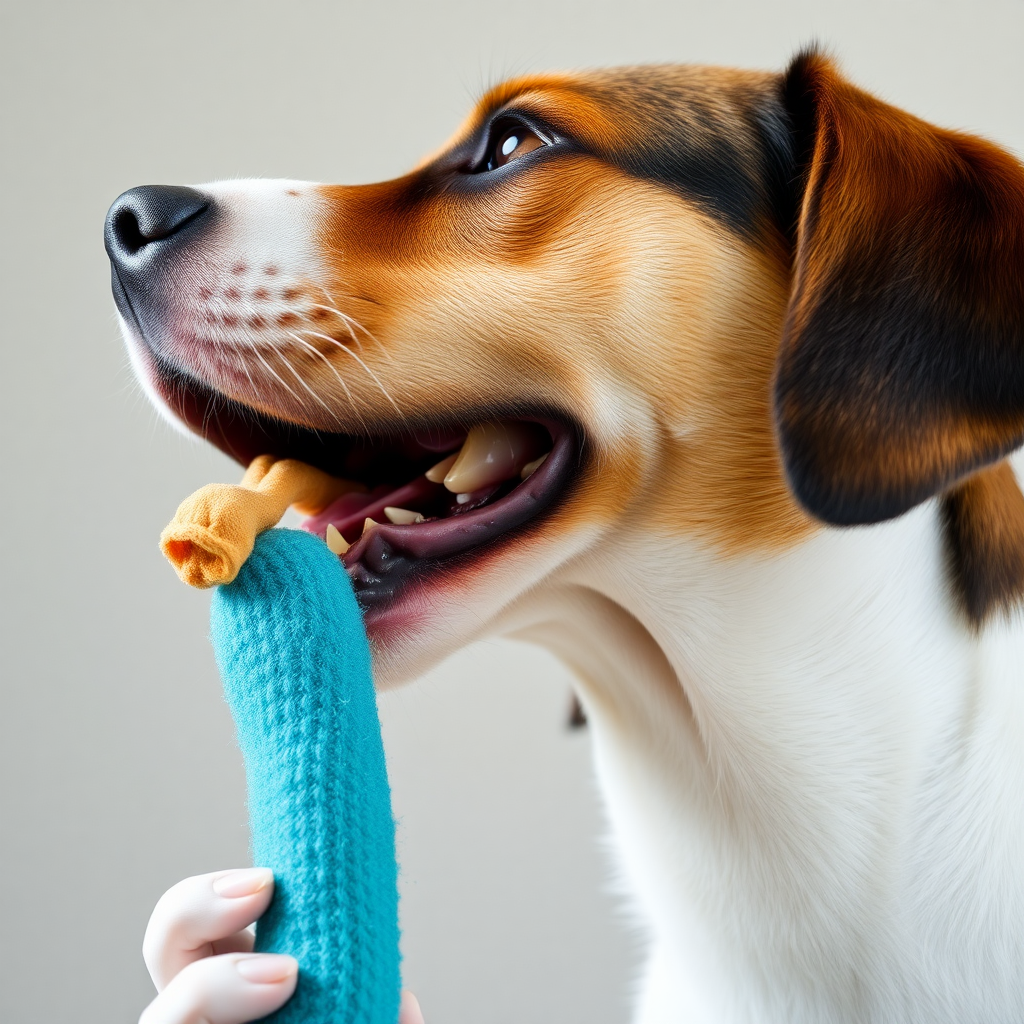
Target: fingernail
{"points": [[409, 1012], [267, 968], [246, 882]]}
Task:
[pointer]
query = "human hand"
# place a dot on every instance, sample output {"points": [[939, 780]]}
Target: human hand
{"points": [[198, 948]]}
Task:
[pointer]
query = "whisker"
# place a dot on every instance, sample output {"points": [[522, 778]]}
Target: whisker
{"points": [[208, 413], [344, 317], [283, 356], [372, 375], [239, 361], [346, 320], [274, 373], [350, 322], [372, 338], [334, 370]]}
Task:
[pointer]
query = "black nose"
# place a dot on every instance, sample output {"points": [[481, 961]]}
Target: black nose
{"points": [[149, 214]]}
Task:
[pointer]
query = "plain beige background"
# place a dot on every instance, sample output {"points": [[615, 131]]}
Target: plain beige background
{"points": [[118, 772]]}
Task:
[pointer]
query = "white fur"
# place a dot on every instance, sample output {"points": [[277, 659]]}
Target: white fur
{"points": [[814, 771]]}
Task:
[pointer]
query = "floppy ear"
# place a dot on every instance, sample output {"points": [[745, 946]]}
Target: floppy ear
{"points": [[901, 369]]}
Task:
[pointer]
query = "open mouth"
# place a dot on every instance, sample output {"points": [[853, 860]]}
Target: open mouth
{"points": [[432, 495]]}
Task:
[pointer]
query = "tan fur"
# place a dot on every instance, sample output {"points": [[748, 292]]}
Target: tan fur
{"points": [[652, 295]]}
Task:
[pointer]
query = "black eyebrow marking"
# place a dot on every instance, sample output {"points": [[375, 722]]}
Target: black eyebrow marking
{"points": [[728, 150]]}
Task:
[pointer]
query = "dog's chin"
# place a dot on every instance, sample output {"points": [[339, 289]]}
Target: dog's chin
{"points": [[430, 567], [483, 597]]}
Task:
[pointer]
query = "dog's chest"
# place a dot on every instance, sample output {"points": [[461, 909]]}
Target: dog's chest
{"points": [[827, 825]]}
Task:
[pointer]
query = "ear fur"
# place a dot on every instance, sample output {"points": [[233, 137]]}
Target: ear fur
{"points": [[984, 530], [901, 369]]}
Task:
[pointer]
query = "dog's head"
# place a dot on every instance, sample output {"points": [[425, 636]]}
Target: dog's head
{"points": [[722, 304]]}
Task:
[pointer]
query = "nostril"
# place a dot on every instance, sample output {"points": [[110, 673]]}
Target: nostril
{"points": [[150, 214], [126, 230]]}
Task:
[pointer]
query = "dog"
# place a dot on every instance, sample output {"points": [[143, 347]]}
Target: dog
{"points": [[708, 381]]}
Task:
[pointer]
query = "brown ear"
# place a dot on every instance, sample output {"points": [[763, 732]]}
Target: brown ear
{"points": [[901, 369]]}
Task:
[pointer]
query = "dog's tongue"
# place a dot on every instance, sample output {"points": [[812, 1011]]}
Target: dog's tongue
{"points": [[348, 513], [440, 439], [346, 507]]}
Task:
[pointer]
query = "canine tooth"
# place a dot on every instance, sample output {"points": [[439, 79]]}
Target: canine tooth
{"points": [[491, 453], [436, 474], [335, 541], [369, 524], [531, 467], [402, 516]]}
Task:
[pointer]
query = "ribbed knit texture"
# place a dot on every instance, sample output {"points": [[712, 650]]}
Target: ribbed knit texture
{"points": [[295, 664]]}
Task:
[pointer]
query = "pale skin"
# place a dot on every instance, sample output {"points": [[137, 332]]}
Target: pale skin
{"points": [[198, 948]]}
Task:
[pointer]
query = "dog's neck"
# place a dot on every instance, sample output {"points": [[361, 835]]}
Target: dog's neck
{"points": [[794, 749]]}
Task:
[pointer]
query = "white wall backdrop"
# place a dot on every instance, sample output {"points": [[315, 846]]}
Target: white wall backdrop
{"points": [[118, 772]]}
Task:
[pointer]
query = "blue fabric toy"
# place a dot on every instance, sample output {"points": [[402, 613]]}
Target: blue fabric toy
{"points": [[295, 664]]}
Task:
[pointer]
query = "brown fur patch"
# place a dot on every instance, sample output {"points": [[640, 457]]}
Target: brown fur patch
{"points": [[984, 520], [902, 368]]}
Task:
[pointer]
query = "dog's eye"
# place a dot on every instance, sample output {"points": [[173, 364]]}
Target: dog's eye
{"points": [[510, 143]]}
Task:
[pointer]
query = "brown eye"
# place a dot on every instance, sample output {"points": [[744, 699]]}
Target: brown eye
{"points": [[511, 144]]}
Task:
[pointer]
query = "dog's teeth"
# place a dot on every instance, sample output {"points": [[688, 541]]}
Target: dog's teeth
{"points": [[491, 453], [369, 524], [335, 541], [463, 498], [436, 474], [531, 467], [402, 516]]}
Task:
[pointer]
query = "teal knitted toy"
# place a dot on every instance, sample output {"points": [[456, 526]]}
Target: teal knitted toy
{"points": [[295, 663]]}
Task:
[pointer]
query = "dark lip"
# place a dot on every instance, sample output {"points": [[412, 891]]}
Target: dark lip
{"points": [[390, 560], [123, 303]]}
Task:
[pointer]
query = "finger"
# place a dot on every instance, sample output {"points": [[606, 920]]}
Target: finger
{"points": [[231, 989], [409, 1012], [203, 916]]}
